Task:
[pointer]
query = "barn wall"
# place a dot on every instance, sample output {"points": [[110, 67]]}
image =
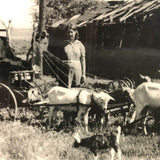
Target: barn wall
{"points": [[123, 49], [116, 50], [116, 63]]}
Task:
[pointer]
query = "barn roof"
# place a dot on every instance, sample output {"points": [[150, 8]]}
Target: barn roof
{"points": [[122, 13]]}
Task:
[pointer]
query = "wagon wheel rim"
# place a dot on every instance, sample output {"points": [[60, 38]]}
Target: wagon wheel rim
{"points": [[122, 84], [14, 100], [149, 122], [131, 83]]}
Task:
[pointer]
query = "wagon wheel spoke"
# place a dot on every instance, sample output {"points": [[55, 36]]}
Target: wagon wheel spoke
{"points": [[11, 112], [130, 82], [40, 111], [35, 111], [8, 101], [122, 84], [18, 113], [150, 121]]}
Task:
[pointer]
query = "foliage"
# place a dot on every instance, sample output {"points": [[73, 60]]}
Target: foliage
{"points": [[61, 9]]}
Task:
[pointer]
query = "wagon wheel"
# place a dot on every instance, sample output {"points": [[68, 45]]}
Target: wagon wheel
{"points": [[130, 82], [146, 123], [150, 122], [8, 101], [122, 83]]}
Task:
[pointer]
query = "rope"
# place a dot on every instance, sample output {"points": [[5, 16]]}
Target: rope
{"points": [[55, 72], [58, 60], [56, 68], [91, 75], [61, 62], [51, 54], [55, 65]]}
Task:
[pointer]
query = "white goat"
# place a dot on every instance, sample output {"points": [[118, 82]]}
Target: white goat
{"points": [[147, 99], [83, 98]]}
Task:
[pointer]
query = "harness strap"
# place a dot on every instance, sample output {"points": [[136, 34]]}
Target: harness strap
{"points": [[92, 99], [78, 100]]}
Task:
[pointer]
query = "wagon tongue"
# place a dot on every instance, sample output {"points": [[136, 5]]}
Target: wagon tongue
{"points": [[40, 102], [34, 102]]}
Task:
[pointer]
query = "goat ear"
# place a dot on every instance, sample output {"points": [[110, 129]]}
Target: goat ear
{"points": [[147, 78], [141, 75], [112, 98]]}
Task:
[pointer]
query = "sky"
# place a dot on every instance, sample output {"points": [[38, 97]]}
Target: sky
{"points": [[19, 11]]}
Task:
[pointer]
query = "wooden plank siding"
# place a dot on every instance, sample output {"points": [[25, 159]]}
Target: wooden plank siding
{"points": [[122, 41]]}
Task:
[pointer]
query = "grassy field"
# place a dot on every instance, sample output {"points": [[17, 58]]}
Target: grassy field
{"points": [[22, 142], [31, 141], [21, 41]]}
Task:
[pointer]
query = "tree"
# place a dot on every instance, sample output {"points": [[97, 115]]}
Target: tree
{"points": [[61, 9]]}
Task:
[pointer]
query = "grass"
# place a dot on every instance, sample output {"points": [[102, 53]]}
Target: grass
{"points": [[141, 147], [22, 142]]}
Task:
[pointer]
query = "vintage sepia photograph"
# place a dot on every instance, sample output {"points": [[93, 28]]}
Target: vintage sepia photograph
{"points": [[80, 80]]}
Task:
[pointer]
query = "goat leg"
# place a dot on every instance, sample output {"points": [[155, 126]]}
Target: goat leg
{"points": [[51, 115], [86, 119], [112, 153]]}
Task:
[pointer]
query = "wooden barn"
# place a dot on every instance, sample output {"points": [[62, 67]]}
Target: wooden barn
{"points": [[120, 40]]}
